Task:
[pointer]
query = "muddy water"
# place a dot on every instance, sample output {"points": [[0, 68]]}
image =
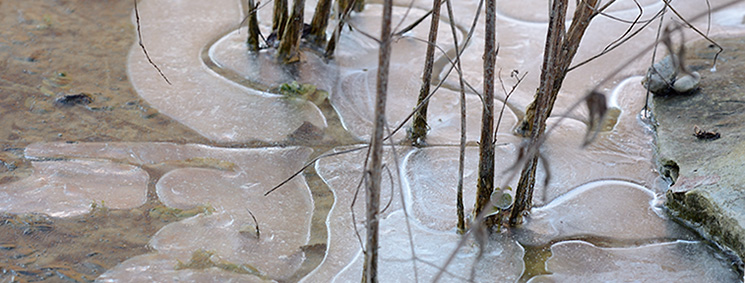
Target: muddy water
{"points": [[177, 173]]}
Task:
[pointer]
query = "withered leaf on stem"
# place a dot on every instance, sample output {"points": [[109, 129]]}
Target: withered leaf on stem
{"points": [[597, 106]]}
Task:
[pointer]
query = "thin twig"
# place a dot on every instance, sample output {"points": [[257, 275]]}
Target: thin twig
{"points": [[519, 79], [419, 125], [139, 37], [370, 272], [461, 228], [485, 185], [256, 222], [308, 164]]}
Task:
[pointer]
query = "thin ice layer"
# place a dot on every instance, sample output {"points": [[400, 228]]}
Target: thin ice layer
{"points": [[343, 173], [535, 11], [432, 179], [343, 262], [70, 187], [621, 150], [156, 267], [229, 53], [354, 94], [174, 33], [398, 261], [608, 210], [680, 261], [232, 181], [352, 84], [355, 100], [283, 216]]}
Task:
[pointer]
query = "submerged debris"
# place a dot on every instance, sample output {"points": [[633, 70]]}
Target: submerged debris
{"points": [[705, 135], [74, 99], [309, 92], [202, 259], [307, 132]]}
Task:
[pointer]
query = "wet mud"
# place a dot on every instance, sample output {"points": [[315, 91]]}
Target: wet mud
{"points": [[64, 78]]}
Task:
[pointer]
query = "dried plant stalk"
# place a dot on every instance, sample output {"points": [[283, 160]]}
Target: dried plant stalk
{"points": [[356, 5], [419, 127], [289, 45], [279, 18], [462, 149], [370, 273], [320, 21], [558, 54], [485, 185], [253, 28]]}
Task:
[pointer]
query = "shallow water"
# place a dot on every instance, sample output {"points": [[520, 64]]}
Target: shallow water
{"points": [[600, 209]]}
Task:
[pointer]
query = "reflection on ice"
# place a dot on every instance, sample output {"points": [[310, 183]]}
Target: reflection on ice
{"points": [[680, 261]]}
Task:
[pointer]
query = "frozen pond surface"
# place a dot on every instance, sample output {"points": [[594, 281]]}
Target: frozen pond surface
{"points": [[229, 181], [599, 214]]}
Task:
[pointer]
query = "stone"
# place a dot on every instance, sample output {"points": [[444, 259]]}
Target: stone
{"points": [[660, 76], [706, 173], [687, 82]]}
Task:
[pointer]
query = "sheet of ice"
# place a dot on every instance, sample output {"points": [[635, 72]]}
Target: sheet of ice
{"points": [[354, 95], [357, 94], [680, 261], [607, 210], [342, 173], [175, 32], [160, 268], [352, 84], [230, 180], [431, 179], [537, 11], [64, 188], [283, 216], [343, 262], [229, 53], [433, 248]]}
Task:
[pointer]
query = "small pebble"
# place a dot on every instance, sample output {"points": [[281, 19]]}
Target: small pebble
{"points": [[687, 83], [659, 77]]}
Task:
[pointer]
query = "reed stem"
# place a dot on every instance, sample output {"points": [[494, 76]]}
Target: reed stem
{"points": [[320, 21], [370, 273], [485, 185], [289, 45], [253, 28], [559, 51], [419, 126]]}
